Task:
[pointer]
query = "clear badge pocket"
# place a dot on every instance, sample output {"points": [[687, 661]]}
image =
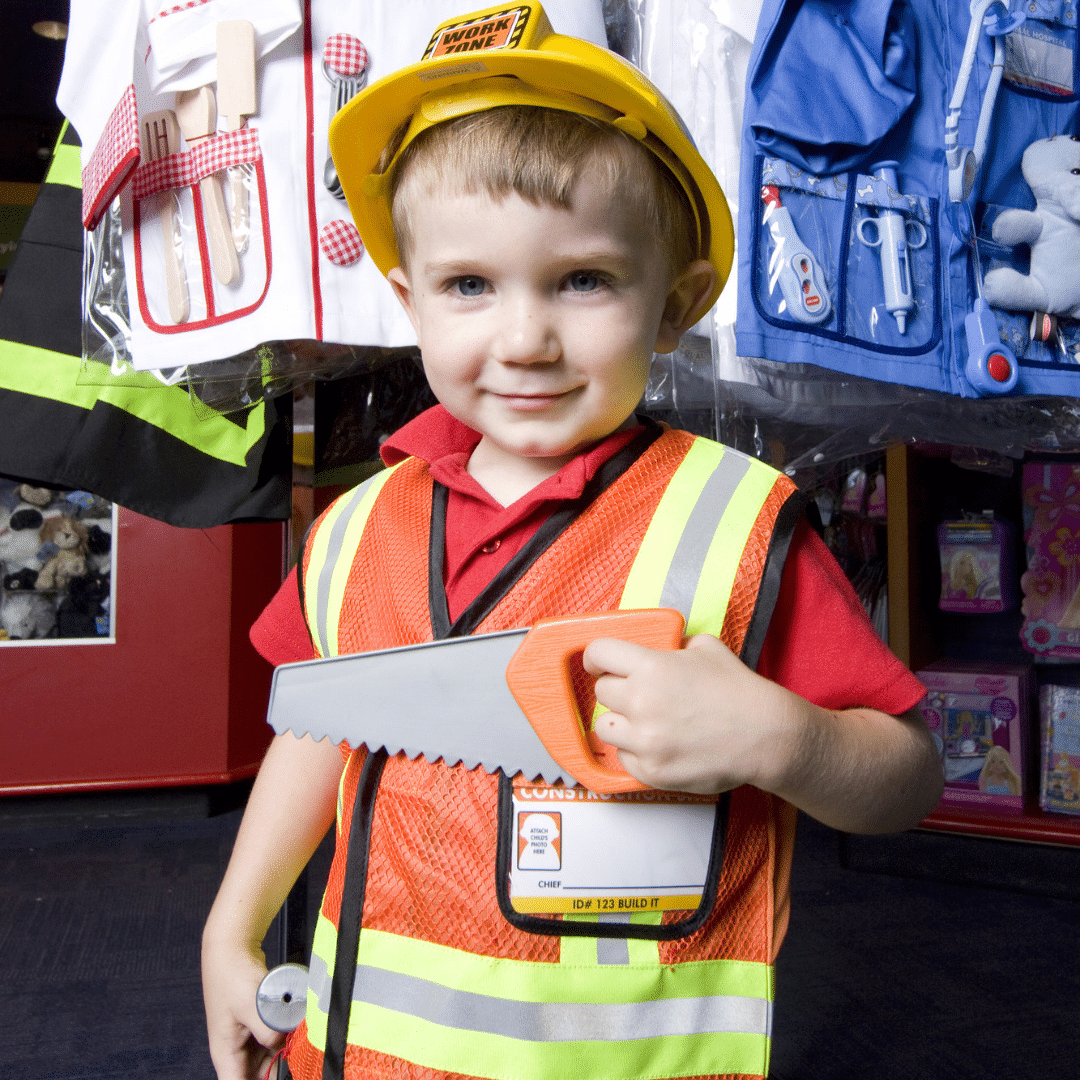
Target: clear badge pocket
{"points": [[1041, 53], [201, 234]]}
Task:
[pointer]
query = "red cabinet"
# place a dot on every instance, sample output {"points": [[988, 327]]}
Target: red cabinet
{"points": [[177, 696]]}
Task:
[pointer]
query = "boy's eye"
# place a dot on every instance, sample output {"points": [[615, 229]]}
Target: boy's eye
{"points": [[469, 285], [583, 281]]}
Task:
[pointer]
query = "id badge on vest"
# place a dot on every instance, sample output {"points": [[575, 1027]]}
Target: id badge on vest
{"points": [[576, 852]]}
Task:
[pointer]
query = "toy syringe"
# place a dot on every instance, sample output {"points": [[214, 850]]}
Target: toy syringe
{"points": [[792, 266], [896, 236]]}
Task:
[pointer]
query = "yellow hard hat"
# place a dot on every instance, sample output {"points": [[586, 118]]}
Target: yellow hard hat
{"points": [[509, 55]]}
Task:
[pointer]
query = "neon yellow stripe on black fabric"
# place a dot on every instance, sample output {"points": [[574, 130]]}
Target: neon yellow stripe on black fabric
{"points": [[66, 167], [55, 376], [536, 1020]]}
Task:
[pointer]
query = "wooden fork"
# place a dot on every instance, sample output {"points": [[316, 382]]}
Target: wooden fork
{"points": [[160, 136]]}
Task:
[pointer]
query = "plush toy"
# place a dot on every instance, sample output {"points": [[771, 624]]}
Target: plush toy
{"points": [[20, 539], [1051, 168], [35, 496], [87, 598], [69, 537], [22, 580], [25, 616]]}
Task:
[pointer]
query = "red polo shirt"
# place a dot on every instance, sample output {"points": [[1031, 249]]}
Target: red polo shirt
{"points": [[820, 643]]}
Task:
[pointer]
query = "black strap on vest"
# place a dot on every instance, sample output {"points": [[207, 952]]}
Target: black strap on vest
{"points": [[791, 513], [352, 911]]}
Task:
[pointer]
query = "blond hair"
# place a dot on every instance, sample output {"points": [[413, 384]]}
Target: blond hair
{"points": [[539, 153]]}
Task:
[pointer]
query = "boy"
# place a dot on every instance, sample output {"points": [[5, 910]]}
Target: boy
{"points": [[547, 225]]}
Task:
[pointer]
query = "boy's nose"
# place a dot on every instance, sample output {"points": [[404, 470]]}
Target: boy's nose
{"points": [[527, 335]]}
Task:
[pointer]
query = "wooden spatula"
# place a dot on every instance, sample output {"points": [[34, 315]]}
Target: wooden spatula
{"points": [[236, 102]]}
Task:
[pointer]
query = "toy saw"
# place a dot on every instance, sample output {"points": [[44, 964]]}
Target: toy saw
{"points": [[501, 701]]}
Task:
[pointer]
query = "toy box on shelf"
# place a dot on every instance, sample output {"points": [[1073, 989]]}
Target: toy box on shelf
{"points": [[1051, 583], [977, 561], [1059, 771], [978, 714]]}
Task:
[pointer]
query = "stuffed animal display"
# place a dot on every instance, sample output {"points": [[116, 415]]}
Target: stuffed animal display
{"points": [[55, 563], [1051, 168]]}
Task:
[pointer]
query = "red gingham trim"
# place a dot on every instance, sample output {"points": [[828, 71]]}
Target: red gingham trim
{"points": [[177, 8], [188, 168], [116, 154], [345, 55], [341, 243]]}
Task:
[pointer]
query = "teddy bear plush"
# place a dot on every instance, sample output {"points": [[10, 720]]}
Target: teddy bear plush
{"points": [[1051, 168], [69, 537]]}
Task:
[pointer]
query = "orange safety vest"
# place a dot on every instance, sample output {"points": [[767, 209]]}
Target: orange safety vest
{"points": [[420, 967]]}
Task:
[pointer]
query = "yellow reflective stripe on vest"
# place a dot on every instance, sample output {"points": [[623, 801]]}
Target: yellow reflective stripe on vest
{"points": [[691, 551], [328, 571], [536, 1020]]}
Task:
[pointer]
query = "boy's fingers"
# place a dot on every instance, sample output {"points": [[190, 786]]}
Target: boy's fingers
{"points": [[611, 656]]}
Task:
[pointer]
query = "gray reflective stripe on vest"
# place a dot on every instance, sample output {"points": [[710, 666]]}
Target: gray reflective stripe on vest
{"points": [[547, 1021], [684, 574]]}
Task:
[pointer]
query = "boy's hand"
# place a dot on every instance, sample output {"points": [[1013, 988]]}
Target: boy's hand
{"points": [[241, 1045], [696, 719]]}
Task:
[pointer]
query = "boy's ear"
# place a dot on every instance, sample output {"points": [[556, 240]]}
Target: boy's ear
{"points": [[399, 282], [685, 303]]}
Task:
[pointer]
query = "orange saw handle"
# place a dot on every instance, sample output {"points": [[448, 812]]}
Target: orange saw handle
{"points": [[539, 678]]}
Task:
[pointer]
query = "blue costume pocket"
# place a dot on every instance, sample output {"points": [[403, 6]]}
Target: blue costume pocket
{"points": [[1041, 53], [847, 257]]}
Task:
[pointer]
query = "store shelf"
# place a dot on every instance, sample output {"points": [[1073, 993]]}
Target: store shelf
{"points": [[924, 487], [1033, 826]]}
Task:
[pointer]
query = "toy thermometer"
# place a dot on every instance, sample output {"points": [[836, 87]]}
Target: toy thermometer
{"points": [[792, 266]]}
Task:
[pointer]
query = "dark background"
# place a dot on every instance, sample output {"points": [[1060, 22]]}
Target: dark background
{"points": [[29, 74]]}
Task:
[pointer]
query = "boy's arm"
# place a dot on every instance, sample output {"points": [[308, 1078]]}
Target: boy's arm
{"points": [[291, 806], [700, 720]]}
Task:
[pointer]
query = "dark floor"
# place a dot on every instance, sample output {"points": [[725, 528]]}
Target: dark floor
{"points": [[882, 976]]}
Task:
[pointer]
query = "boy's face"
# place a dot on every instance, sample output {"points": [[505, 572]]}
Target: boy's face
{"points": [[538, 324]]}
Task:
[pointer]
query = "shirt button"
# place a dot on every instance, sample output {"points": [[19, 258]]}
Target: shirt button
{"points": [[491, 547]]}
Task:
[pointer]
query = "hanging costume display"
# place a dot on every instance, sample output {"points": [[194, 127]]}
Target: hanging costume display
{"points": [[128, 438], [234, 229], [902, 201]]}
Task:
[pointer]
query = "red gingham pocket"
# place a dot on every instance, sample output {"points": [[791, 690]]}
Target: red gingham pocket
{"points": [[114, 157]]}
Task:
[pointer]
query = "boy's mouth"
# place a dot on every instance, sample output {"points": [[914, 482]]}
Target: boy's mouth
{"points": [[526, 401]]}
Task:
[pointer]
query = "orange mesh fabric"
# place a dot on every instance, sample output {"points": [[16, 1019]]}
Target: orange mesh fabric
{"points": [[386, 598], [432, 862], [305, 1063]]}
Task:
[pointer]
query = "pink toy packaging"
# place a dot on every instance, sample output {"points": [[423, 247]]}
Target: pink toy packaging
{"points": [[978, 714], [1051, 583], [977, 566], [1059, 766]]}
